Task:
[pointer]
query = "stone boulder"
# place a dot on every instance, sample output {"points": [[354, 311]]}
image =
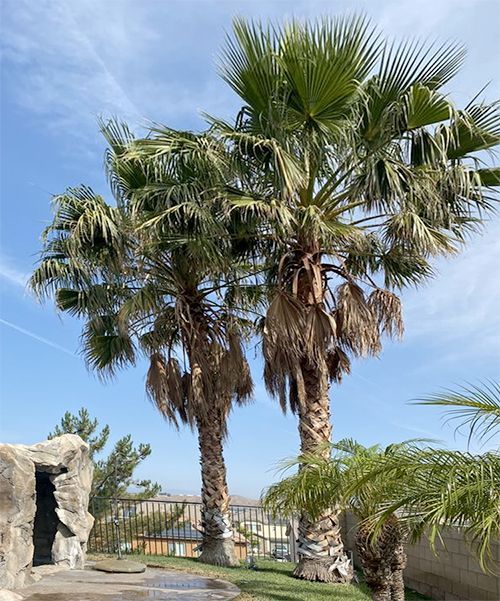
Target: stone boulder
{"points": [[44, 496]]}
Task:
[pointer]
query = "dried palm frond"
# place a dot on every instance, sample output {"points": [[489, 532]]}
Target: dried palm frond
{"points": [[244, 385], [356, 322], [165, 389], [320, 330], [387, 308], [285, 321], [338, 364]]}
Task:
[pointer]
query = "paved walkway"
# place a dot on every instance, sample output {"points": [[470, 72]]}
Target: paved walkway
{"points": [[157, 584]]}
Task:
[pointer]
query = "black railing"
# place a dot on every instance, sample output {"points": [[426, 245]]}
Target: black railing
{"points": [[158, 527]]}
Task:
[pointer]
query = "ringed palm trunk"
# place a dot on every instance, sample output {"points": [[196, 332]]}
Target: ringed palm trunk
{"points": [[321, 551], [218, 541], [398, 565], [383, 561]]}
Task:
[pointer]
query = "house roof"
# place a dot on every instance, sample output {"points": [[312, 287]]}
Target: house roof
{"points": [[187, 532], [182, 533]]}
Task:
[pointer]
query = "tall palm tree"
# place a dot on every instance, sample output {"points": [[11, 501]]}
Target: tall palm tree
{"points": [[152, 289], [360, 170]]}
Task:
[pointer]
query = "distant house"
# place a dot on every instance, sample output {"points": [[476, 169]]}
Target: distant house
{"points": [[182, 541], [256, 531], [268, 536]]}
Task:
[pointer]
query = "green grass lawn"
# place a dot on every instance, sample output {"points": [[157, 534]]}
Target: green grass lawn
{"points": [[272, 581]]}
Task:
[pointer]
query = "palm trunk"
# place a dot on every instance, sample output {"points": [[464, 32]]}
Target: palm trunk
{"points": [[321, 551], [218, 542], [382, 594], [398, 565], [378, 558]]}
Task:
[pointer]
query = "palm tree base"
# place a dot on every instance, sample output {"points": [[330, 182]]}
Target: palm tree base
{"points": [[219, 552], [324, 570]]}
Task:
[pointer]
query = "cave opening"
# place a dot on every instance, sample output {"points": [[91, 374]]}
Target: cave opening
{"points": [[46, 520]]}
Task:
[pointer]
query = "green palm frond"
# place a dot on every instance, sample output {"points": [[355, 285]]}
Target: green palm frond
{"points": [[427, 488], [106, 347], [403, 66], [489, 177], [248, 64], [477, 407], [322, 64], [91, 299], [445, 488], [85, 217], [476, 128], [424, 106]]}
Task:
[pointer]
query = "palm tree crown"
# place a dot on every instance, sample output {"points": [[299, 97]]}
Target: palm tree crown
{"points": [[361, 170]]}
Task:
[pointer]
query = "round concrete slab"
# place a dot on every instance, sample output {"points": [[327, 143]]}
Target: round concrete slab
{"points": [[157, 584], [120, 566]]}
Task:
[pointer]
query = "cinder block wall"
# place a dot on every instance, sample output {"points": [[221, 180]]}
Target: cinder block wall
{"points": [[454, 574]]}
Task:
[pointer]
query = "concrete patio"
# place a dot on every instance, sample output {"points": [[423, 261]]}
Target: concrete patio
{"points": [[158, 584]]}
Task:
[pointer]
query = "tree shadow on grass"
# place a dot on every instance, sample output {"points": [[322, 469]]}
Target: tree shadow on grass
{"points": [[276, 583], [279, 591]]}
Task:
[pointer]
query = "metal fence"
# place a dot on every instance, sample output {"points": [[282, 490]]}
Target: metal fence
{"points": [[157, 527]]}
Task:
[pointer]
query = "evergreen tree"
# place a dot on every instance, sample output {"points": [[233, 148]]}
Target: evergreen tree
{"points": [[113, 475]]}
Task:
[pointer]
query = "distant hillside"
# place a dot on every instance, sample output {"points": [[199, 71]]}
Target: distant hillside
{"points": [[236, 500]]}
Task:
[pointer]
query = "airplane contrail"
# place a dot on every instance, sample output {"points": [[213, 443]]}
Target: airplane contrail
{"points": [[36, 337]]}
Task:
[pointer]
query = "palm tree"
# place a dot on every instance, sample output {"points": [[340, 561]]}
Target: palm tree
{"points": [[359, 170], [406, 491], [451, 487], [151, 287], [350, 480]]}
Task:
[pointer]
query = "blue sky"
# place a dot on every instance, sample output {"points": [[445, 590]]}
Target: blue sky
{"points": [[66, 63]]}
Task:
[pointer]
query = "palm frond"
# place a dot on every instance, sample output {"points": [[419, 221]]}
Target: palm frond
{"points": [[477, 407]]}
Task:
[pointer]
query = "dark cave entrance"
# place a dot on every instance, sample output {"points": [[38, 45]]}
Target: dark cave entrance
{"points": [[46, 519]]}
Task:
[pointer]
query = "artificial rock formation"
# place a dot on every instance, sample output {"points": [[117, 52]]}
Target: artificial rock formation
{"points": [[44, 496]]}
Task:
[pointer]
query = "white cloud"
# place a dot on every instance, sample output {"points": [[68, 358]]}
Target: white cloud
{"points": [[69, 62], [461, 305], [58, 70], [12, 274], [413, 17]]}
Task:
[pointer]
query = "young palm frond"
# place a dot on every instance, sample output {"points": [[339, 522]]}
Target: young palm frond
{"points": [[477, 407], [446, 488]]}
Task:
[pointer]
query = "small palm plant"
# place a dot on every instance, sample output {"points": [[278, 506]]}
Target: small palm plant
{"points": [[406, 491], [452, 487], [350, 480]]}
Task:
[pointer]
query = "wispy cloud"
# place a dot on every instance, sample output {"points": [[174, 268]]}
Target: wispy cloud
{"points": [[34, 336], [12, 274], [69, 62], [420, 431], [57, 69], [461, 304]]}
